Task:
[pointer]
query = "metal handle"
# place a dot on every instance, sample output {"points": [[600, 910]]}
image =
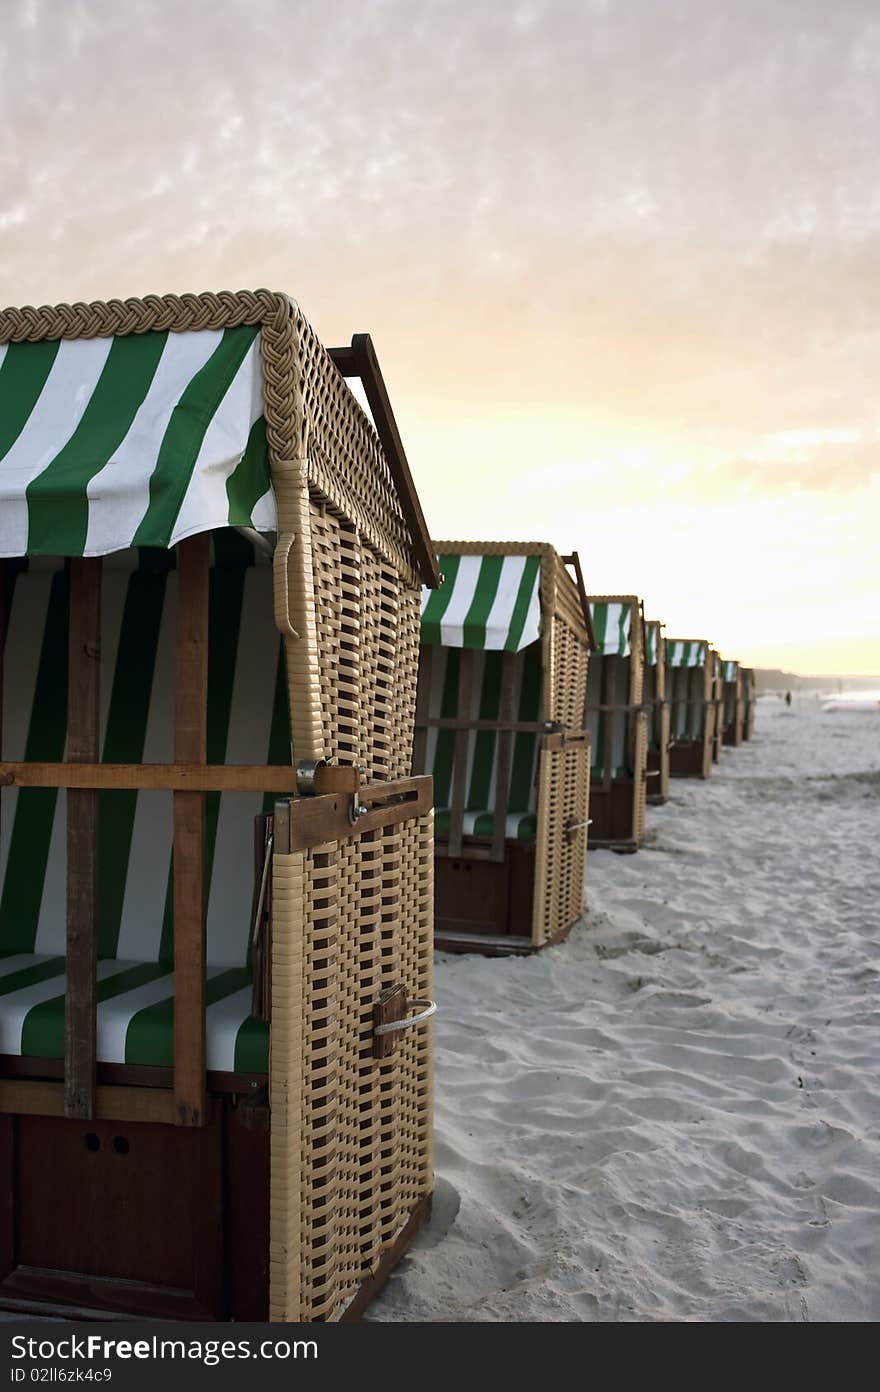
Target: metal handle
{"points": [[426, 1008]]}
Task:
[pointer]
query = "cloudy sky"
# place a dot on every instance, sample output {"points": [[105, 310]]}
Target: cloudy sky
{"points": [[620, 258]]}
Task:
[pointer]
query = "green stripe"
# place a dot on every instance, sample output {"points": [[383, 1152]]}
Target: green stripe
{"points": [[23, 374], [599, 615], [485, 743], [124, 743], [58, 505], [224, 625], [35, 808], [31, 976], [252, 1046], [150, 1035], [185, 433], [520, 613], [622, 630], [444, 751], [42, 1031], [438, 600], [250, 479], [474, 626], [522, 764]]}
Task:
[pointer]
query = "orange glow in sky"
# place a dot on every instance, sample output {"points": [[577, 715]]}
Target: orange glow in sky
{"points": [[620, 259]]}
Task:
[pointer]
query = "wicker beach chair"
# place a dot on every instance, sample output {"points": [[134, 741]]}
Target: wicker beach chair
{"points": [[657, 707], [689, 687], [216, 869], [617, 719], [749, 701], [500, 725], [734, 703]]}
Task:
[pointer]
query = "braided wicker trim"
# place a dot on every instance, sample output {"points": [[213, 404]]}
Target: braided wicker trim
{"points": [[180, 314], [309, 409]]}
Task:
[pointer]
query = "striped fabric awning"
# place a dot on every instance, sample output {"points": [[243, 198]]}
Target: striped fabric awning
{"points": [[485, 602], [652, 643], [730, 671], [682, 652], [611, 627], [138, 440]]}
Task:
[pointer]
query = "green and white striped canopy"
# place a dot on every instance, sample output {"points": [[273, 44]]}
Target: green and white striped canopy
{"points": [[139, 440], [485, 602], [611, 627], [730, 671], [652, 642], [684, 652]]}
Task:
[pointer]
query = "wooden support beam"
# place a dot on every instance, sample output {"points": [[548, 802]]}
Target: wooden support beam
{"points": [[83, 737], [360, 361], [503, 753], [609, 679], [178, 778], [190, 906], [24, 1098], [459, 772]]}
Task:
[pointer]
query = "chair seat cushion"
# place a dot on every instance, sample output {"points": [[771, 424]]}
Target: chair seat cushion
{"points": [[135, 1017], [520, 826]]}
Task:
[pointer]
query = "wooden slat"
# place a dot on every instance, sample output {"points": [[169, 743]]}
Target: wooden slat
{"points": [[190, 747], [503, 753], [83, 735], [195, 778], [24, 1098], [459, 774]]}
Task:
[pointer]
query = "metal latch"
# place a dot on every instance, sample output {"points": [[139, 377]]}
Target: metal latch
{"points": [[391, 1015]]}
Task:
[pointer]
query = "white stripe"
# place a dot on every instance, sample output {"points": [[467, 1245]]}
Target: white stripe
{"points": [[501, 613], [57, 413], [149, 859], [205, 504], [19, 961], [452, 623], [27, 623], [16, 1005], [532, 626], [119, 494], [223, 1020], [250, 720], [3, 347]]}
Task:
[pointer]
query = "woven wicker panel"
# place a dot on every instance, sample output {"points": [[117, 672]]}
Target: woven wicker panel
{"points": [[563, 797], [367, 631], [351, 1137], [345, 460]]}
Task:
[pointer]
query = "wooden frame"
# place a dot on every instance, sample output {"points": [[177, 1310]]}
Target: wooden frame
{"points": [[657, 757], [617, 804], [494, 894], [345, 497], [692, 704]]}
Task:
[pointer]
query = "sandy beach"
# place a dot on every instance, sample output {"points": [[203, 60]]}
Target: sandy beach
{"points": [[676, 1114]]}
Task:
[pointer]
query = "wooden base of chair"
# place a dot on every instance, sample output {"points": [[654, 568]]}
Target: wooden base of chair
{"points": [[690, 760], [504, 945], [114, 1219], [612, 816], [474, 895]]}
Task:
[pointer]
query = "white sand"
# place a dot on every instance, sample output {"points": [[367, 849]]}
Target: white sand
{"points": [[676, 1114]]}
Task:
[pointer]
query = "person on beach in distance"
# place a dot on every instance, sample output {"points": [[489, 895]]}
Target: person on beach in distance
{"points": [[788, 698]]}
